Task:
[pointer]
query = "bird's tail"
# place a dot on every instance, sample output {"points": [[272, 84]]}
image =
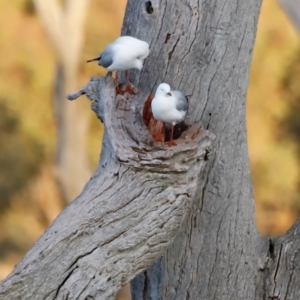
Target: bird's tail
{"points": [[94, 59]]}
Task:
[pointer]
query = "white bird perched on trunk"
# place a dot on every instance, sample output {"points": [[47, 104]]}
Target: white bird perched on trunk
{"points": [[169, 107], [125, 53]]}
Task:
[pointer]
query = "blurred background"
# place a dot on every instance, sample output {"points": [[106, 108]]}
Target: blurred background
{"points": [[46, 140]]}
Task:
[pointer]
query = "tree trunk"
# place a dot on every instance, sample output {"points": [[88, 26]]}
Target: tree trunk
{"points": [[280, 266], [65, 27], [206, 49], [127, 214], [194, 199]]}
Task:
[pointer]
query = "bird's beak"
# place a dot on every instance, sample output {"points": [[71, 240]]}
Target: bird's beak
{"points": [[169, 94], [94, 59]]}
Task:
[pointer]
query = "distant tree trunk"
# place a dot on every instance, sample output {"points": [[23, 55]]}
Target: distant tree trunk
{"points": [[65, 26], [292, 9], [189, 208]]}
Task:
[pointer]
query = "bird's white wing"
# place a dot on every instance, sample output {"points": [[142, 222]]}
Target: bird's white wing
{"points": [[137, 48]]}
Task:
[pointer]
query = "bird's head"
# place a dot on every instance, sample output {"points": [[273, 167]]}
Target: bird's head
{"points": [[164, 89]]}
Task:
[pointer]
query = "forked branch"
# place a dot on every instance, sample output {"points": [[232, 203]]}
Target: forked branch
{"points": [[126, 216]]}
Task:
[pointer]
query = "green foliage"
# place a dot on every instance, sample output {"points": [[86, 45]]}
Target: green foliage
{"points": [[20, 156]]}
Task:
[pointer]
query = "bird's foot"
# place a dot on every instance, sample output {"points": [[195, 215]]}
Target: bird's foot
{"points": [[159, 137], [171, 143], [119, 91], [129, 90]]}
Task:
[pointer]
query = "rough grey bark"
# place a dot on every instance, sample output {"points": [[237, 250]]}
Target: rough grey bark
{"points": [[280, 266], [205, 48], [127, 214]]}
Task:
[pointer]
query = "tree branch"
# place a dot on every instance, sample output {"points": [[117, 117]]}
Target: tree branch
{"points": [[128, 213], [75, 14], [64, 26], [51, 16]]}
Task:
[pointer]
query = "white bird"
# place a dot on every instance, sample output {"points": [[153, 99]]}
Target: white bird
{"points": [[169, 106], [125, 53]]}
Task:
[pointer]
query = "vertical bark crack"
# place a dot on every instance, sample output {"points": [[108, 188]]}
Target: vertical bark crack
{"points": [[277, 268], [63, 282]]}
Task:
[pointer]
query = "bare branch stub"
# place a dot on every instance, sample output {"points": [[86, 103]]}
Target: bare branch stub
{"points": [[96, 89]]}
